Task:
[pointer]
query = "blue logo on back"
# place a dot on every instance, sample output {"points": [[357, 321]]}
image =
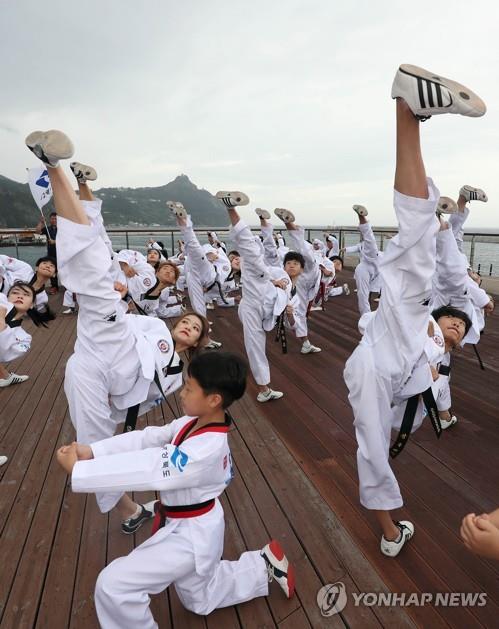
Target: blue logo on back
{"points": [[179, 459]]}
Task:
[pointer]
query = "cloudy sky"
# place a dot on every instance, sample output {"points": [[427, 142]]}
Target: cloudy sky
{"points": [[287, 100]]}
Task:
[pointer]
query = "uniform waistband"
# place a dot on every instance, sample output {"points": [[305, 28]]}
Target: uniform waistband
{"points": [[178, 511]]}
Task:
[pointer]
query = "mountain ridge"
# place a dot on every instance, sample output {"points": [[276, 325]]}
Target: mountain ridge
{"points": [[120, 205]]}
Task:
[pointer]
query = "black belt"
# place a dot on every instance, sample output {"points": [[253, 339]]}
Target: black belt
{"points": [[408, 420], [132, 413], [220, 291], [444, 370], [281, 333], [178, 511]]}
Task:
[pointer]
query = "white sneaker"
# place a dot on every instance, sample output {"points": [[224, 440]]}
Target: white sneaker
{"points": [[308, 348], [177, 208], [315, 308], [213, 345], [346, 289], [429, 94], [50, 146], [268, 395], [447, 423], [68, 311], [82, 172], [284, 215], [360, 210], [473, 194], [232, 198], [3, 460], [392, 549], [12, 379], [262, 213], [446, 205], [278, 567], [210, 306]]}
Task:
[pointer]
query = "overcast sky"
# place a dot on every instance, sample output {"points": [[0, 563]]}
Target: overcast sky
{"points": [[287, 100]]}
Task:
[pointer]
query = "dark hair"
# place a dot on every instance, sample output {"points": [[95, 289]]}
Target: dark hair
{"points": [[450, 311], [333, 258], [46, 259], [52, 214], [224, 373], [38, 318], [234, 253], [294, 255], [175, 268]]}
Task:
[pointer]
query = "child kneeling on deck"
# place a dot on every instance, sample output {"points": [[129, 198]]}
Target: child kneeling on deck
{"points": [[189, 462]]}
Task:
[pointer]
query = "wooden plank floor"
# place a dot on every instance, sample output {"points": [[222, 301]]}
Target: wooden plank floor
{"points": [[295, 480]]}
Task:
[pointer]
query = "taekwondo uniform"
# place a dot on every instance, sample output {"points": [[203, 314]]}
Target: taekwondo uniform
{"points": [[14, 340], [224, 282], [453, 286], [335, 249], [13, 270], [185, 549], [307, 284], [169, 305], [140, 285], [367, 271], [199, 272], [262, 303], [119, 359], [391, 364]]}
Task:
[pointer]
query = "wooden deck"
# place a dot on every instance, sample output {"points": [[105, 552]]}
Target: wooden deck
{"points": [[295, 480]]}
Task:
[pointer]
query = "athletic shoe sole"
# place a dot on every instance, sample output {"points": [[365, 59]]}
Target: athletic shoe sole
{"points": [[284, 215], [177, 208], [446, 206], [360, 210], [50, 146], [232, 198], [262, 213], [83, 171]]}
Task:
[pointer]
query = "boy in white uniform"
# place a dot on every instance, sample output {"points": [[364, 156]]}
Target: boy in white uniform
{"points": [[189, 462], [367, 271], [267, 298], [397, 358], [308, 282], [122, 365]]}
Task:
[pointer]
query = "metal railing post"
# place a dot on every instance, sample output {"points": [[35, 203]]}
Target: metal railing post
{"points": [[472, 250], [17, 247], [126, 238]]}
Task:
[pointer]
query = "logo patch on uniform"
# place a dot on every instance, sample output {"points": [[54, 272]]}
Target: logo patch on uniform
{"points": [[179, 459], [147, 281], [163, 346], [438, 340]]}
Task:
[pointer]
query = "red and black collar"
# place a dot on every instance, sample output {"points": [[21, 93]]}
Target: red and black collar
{"points": [[213, 427]]}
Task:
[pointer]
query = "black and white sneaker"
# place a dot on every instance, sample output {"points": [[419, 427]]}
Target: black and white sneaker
{"points": [[232, 198], [82, 172], [12, 378], [392, 548], [429, 94], [130, 525], [278, 567], [446, 205], [447, 423], [473, 194], [285, 215], [50, 146], [360, 210], [3, 460], [262, 213], [177, 208]]}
